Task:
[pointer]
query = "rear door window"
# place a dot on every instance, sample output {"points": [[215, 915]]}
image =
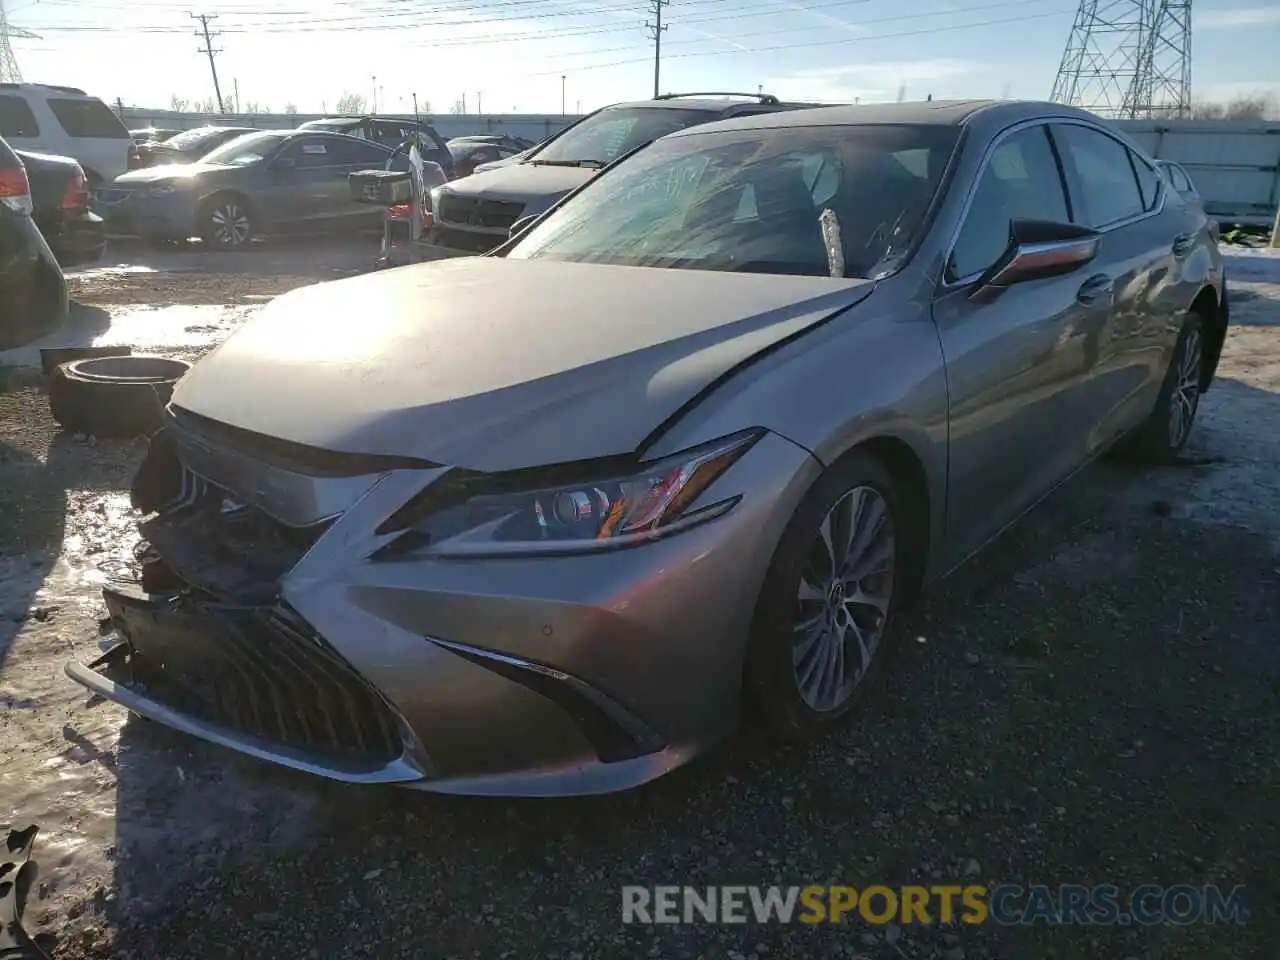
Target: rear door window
{"points": [[310, 153], [1108, 186], [351, 152], [88, 119], [16, 118]]}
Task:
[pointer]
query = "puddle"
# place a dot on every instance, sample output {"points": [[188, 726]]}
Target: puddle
{"points": [[112, 270], [116, 799], [146, 329]]}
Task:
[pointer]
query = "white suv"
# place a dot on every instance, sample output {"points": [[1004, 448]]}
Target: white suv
{"points": [[66, 121]]}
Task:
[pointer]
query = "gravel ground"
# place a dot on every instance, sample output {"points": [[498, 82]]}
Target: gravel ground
{"points": [[1096, 701]]}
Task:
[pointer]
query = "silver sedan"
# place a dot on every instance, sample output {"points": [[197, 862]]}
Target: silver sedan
{"points": [[545, 521]]}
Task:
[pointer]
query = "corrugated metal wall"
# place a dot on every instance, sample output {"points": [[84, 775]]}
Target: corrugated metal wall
{"points": [[1235, 164]]}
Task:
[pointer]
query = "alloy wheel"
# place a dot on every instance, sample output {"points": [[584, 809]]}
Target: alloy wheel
{"points": [[843, 600], [1186, 389], [230, 225]]}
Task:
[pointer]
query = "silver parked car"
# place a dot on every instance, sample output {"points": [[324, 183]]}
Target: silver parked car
{"points": [[543, 520]]}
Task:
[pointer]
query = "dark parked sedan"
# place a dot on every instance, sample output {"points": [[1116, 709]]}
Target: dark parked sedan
{"points": [[469, 152], [273, 180], [33, 293], [188, 146], [60, 198]]}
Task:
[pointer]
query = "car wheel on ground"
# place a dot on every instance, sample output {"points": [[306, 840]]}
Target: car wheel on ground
{"points": [[113, 396], [226, 222], [828, 599], [1161, 438]]}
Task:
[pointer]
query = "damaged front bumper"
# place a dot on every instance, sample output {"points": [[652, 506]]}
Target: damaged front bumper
{"points": [[279, 625]]}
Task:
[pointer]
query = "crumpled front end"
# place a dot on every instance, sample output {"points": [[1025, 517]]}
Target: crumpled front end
{"points": [[280, 613]]}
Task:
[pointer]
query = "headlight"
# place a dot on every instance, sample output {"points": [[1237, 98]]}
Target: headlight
{"points": [[610, 510], [161, 190], [434, 198]]}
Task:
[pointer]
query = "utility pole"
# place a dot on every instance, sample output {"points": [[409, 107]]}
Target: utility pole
{"points": [[208, 50], [235, 81], [562, 94], [478, 110], [375, 93], [658, 29], [415, 108]]}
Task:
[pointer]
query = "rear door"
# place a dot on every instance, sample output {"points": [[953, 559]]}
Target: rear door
{"points": [[1135, 278], [1013, 361]]}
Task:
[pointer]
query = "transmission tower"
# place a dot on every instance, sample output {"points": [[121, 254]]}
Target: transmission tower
{"points": [[1128, 59], [9, 72]]}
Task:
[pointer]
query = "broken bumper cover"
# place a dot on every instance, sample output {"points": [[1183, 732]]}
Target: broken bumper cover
{"points": [[548, 675]]}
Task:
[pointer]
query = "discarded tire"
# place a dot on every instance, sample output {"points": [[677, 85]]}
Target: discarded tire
{"points": [[113, 396]]}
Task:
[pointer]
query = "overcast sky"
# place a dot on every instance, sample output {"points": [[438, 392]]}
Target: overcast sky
{"points": [[510, 55]]}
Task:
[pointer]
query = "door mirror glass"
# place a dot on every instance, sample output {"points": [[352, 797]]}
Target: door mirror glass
{"points": [[521, 225], [1038, 249]]}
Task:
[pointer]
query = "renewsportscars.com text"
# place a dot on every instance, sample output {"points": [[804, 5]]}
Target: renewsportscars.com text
{"points": [[1007, 904]]}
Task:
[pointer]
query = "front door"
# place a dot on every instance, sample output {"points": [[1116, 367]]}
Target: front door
{"points": [[1012, 361]]}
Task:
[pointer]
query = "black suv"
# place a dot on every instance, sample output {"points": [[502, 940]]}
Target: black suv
{"points": [[474, 214]]}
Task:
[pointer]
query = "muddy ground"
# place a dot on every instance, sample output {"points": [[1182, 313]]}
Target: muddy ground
{"points": [[1096, 701]]}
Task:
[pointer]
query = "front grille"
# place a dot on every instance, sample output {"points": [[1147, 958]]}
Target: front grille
{"points": [[257, 672], [228, 549], [485, 214], [464, 240]]}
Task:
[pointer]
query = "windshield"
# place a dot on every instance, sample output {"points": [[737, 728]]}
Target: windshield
{"points": [[602, 138], [189, 139], [815, 201], [243, 151]]}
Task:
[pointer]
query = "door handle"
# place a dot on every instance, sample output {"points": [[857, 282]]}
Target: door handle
{"points": [[1183, 243], [1097, 288]]}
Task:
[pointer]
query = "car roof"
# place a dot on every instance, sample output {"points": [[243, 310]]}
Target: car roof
{"points": [[922, 112]]}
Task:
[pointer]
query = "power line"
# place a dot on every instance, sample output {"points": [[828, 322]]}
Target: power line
{"points": [[657, 29], [207, 49], [825, 43]]}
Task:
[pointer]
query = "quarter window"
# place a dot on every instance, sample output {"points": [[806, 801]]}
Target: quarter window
{"points": [[1148, 182], [1109, 190], [91, 119], [1020, 182]]}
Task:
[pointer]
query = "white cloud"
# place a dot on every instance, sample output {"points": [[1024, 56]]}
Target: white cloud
{"points": [[1237, 17], [875, 81]]}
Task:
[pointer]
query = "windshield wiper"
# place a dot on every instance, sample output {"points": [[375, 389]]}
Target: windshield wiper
{"points": [[593, 164]]}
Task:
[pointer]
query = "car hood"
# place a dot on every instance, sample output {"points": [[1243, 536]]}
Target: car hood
{"points": [[536, 187], [497, 364], [166, 171]]}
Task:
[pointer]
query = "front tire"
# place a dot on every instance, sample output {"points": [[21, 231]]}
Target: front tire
{"points": [[226, 223], [1161, 438], [828, 600]]}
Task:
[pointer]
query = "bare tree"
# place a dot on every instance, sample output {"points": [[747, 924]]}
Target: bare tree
{"points": [[178, 104], [457, 109], [351, 103], [1257, 106], [290, 109], [253, 108], [207, 105]]}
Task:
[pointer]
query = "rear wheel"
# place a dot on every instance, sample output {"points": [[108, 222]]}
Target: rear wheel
{"points": [[829, 598], [1161, 438], [226, 223]]}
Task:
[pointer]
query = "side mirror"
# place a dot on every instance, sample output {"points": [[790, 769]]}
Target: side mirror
{"points": [[520, 226], [1037, 249], [284, 163]]}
